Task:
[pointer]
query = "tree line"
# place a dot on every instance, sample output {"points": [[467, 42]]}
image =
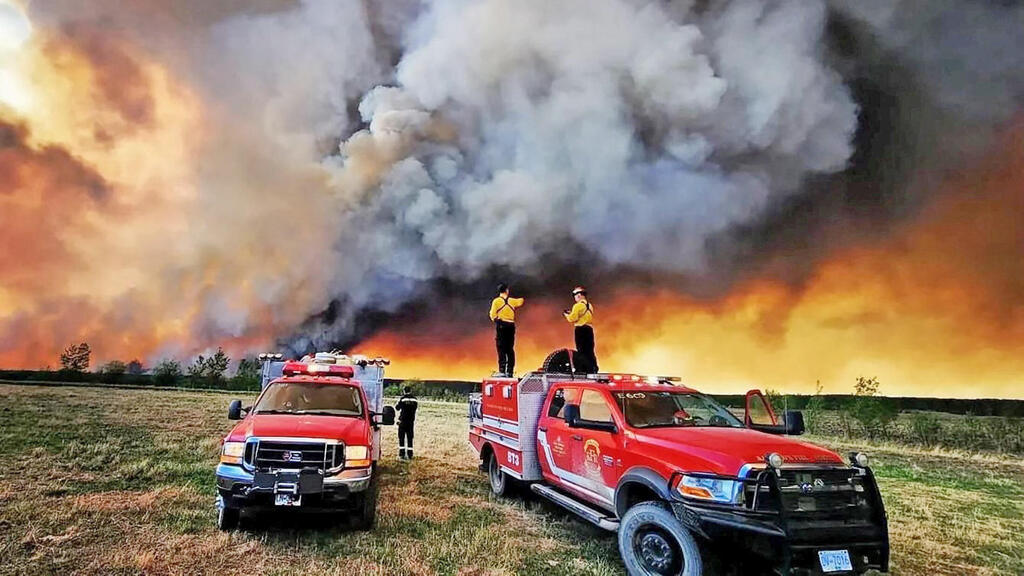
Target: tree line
{"points": [[203, 372]]}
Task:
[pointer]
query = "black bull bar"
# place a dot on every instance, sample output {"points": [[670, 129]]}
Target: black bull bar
{"points": [[790, 539]]}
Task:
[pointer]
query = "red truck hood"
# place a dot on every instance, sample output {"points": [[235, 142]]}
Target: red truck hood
{"points": [[349, 430], [726, 450]]}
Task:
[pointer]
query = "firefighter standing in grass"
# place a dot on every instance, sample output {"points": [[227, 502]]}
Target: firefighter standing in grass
{"points": [[503, 314], [406, 408], [581, 316]]}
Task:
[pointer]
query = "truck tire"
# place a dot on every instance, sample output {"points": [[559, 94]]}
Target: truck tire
{"points": [[653, 543], [227, 518], [501, 483], [366, 512]]}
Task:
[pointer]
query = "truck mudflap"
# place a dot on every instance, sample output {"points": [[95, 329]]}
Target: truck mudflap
{"points": [[774, 527]]}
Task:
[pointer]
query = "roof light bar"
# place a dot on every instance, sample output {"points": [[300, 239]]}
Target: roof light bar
{"points": [[614, 378], [302, 368]]}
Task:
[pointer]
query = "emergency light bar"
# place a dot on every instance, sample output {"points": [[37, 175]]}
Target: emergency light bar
{"points": [[633, 378], [300, 368], [338, 358]]}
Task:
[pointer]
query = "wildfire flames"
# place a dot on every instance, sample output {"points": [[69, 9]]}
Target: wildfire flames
{"points": [[156, 208]]}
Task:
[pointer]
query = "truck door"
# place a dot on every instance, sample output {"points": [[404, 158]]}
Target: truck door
{"points": [[596, 454], [758, 411], [553, 436]]}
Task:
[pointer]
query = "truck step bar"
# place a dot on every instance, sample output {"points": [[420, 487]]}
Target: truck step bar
{"points": [[592, 515]]}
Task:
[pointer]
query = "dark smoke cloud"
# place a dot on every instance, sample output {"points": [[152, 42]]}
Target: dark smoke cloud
{"points": [[821, 125], [362, 158], [934, 81]]}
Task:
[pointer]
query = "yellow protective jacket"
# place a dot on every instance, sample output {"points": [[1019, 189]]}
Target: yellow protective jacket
{"points": [[582, 313], [504, 309]]}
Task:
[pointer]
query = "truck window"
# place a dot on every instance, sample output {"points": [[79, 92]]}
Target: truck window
{"points": [[310, 398], [594, 408], [557, 408], [653, 409]]}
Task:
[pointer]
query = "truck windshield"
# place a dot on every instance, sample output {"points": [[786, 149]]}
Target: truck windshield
{"points": [[310, 398], [663, 409]]}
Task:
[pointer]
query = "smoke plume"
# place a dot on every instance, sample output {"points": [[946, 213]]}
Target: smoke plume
{"points": [[310, 174]]}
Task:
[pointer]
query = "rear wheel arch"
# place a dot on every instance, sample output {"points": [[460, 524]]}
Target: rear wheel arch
{"points": [[639, 485], [485, 452]]}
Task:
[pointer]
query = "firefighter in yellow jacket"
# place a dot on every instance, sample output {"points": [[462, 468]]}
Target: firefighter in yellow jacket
{"points": [[503, 314], [581, 316]]}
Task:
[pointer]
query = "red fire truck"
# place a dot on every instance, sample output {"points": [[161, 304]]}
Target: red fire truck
{"points": [[678, 476], [311, 440]]}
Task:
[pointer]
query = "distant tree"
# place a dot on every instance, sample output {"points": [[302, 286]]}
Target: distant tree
{"points": [[217, 365], [134, 367], [815, 410], [778, 401], [247, 375], [167, 373], [75, 357], [874, 413], [865, 386], [114, 368], [210, 369]]}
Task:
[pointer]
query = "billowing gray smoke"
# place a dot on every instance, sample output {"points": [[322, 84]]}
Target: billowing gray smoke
{"points": [[633, 130], [414, 144]]}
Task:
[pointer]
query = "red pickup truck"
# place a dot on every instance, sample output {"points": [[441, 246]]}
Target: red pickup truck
{"points": [[680, 477], [311, 441]]}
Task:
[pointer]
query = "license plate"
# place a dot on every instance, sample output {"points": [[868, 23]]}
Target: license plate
{"points": [[287, 500], [835, 561]]}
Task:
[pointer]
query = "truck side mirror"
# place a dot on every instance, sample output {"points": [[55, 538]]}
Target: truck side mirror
{"points": [[235, 410], [572, 415], [793, 420], [387, 416]]}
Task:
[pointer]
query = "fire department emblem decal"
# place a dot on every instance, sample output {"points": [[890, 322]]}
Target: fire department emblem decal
{"points": [[592, 456]]}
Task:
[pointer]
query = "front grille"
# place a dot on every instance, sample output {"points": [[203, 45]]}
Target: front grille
{"points": [[820, 506], [291, 455], [819, 493]]}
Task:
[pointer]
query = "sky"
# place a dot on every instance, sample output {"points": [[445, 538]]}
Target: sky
{"points": [[785, 194]]}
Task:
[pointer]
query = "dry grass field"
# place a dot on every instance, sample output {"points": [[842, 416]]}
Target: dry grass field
{"points": [[111, 481]]}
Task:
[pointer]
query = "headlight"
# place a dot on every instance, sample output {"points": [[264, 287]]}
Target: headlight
{"points": [[357, 456], [232, 452], [711, 489]]}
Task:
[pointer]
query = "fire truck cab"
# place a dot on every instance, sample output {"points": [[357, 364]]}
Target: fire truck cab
{"points": [[678, 476], [310, 441]]}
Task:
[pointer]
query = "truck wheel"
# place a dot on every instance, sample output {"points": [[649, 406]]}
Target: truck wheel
{"points": [[501, 483], [227, 518], [653, 542], [366, 513], [558, 362]]}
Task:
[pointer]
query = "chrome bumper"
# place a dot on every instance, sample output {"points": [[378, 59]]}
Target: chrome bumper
{"points": [[357, 480]]}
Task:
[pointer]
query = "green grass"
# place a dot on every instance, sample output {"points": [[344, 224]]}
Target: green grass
{"points": [[102, 481]]}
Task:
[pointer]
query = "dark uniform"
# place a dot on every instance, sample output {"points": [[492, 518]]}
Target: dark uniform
{"points": [[406, 408]]}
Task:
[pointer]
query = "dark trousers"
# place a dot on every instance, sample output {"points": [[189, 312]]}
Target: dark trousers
{"points": [[405, 433], [586, 358], [505, 341]]}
